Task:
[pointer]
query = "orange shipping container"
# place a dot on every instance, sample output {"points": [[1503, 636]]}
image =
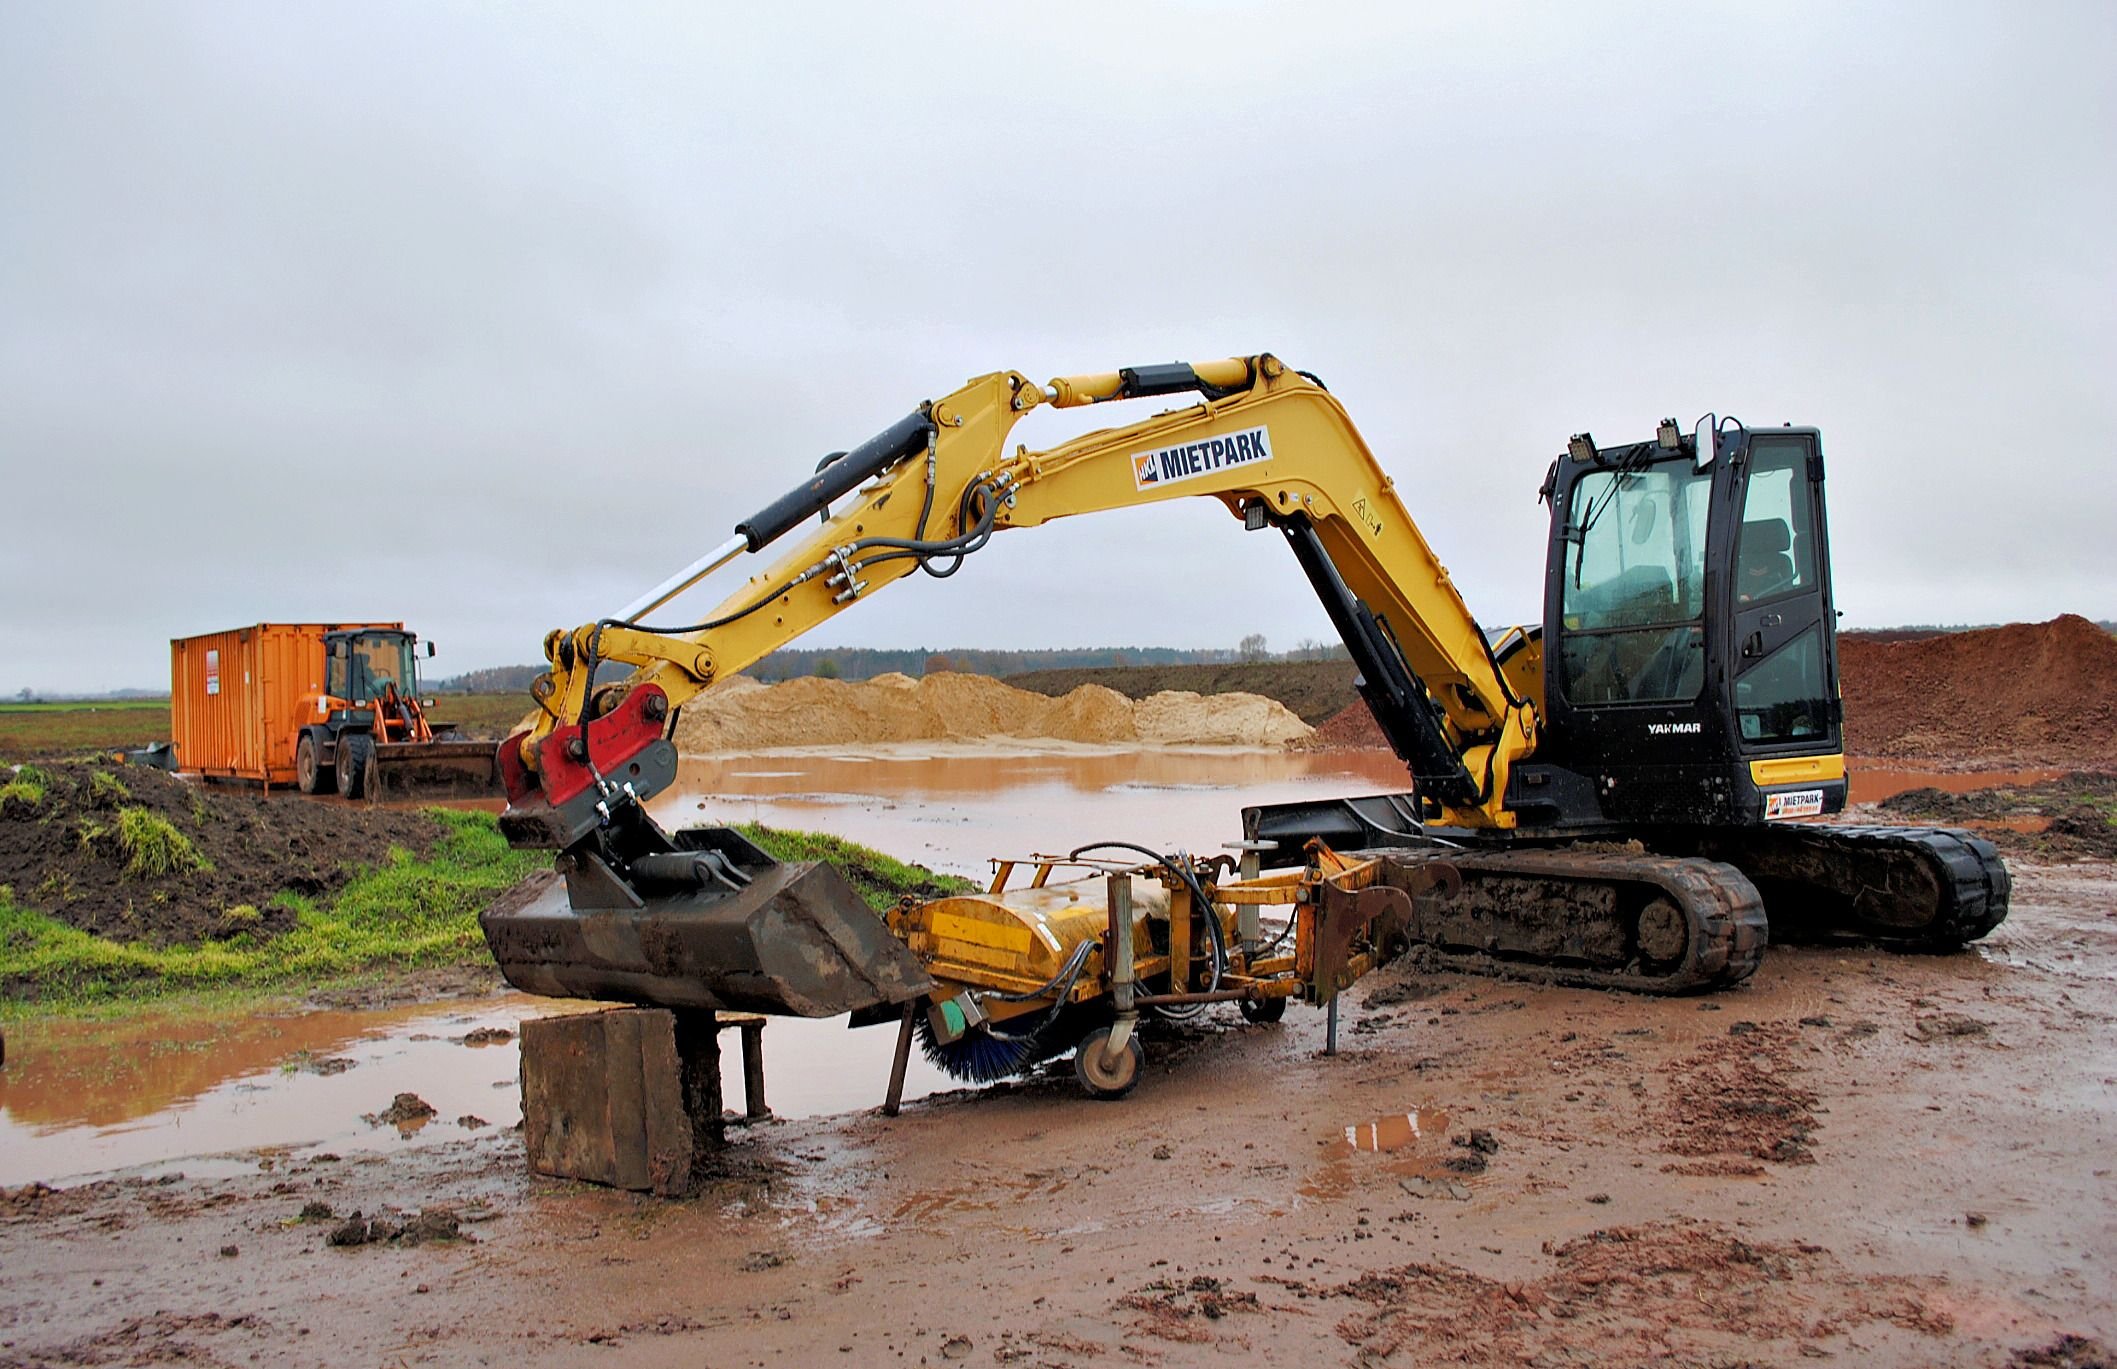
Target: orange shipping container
{"points": [[237, 699]]}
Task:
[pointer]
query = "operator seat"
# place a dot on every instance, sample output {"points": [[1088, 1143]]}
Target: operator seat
{"points": [[1766, 566]]}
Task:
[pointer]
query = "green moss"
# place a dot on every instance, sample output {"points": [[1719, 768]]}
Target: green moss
{"points": [[154, 848]]}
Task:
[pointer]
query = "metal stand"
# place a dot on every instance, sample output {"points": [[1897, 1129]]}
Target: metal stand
{"points": [[753, 1104], [1330, 1026], [900, 1062], [1118, 958]]}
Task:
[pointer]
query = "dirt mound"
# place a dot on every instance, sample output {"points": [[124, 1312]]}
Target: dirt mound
{"points": [[1179, 717], [2021, 695], [953, 707], [1311, 690], [1091, 713], [138, 855], [2073, 817], [809, 711], [1351, 728], [1657, 1292]]}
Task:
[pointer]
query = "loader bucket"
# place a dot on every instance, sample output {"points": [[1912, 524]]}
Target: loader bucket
{"points": [[435, 770], [716, 925]]}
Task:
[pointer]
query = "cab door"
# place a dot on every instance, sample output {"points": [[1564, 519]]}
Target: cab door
{"points": [[1782, 652]]}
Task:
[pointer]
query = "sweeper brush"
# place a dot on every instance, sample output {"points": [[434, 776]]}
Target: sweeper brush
{"points": [[986, 1055]]}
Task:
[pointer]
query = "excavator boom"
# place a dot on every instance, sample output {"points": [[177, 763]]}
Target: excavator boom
{"points": [[646, 911]]}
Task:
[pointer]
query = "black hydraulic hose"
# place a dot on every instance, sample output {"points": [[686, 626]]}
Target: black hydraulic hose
{"points": [[1214, 932], [1059, 985]]}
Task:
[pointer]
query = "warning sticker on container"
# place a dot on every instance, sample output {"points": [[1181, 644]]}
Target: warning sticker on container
{"points": [[1794, 803], [1168, 465], [213, 672]]}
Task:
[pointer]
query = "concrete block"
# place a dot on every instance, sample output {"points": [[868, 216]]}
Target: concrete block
{"points": [[629, 1097]]}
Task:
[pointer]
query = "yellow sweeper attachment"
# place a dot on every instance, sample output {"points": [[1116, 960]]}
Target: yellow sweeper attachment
{"points": [[1024, 973]]}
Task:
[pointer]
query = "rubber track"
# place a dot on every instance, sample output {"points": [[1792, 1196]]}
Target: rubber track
{"points": [[1724, 911], [1973, 880]]}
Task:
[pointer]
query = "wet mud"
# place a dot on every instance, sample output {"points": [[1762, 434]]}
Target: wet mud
{"points": [[2059, 817], [1858, 1158]]}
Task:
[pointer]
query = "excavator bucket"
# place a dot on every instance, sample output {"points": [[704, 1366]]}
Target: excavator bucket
{"points": [[715, 924], [434, 770]]}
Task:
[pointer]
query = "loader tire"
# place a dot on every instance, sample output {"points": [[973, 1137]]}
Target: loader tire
{"points": [[311, 776], [356, 761]]}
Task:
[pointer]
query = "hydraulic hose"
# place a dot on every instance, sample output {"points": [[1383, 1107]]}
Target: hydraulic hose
{"points": [[1060, 986], [1200, 900]]}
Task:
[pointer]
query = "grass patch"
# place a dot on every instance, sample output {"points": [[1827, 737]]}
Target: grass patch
{"points": [[27, 786], [154, 848], [407, 913], [881, 880], [106, 788]]}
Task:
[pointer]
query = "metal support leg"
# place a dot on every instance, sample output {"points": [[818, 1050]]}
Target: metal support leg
{"points": [[1330, 1026], [899, 1062], [753, 1104], [1119, 965], [698, 1063]]}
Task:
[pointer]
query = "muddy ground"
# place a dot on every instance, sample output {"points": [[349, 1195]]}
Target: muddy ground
{"points": [[2071, 817], [1858, 1158]]}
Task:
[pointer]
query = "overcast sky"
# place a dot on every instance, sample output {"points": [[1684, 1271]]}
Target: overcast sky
{"points": [[487, 316]]}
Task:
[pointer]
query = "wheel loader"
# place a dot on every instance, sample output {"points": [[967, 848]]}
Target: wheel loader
{"points": [[321, 705], [1621, 796], [371, 737]]}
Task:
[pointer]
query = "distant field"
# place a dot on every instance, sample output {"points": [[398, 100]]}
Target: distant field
{"points": [[43, 731]]}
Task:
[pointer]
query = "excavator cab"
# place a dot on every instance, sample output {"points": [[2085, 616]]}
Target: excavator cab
{"points": [[1690, 644]]}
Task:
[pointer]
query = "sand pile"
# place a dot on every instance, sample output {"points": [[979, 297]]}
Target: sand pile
{"points": [[742, 715], [2027, 694]]}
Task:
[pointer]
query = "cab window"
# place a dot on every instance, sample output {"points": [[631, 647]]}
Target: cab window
{"points": [[1775, 552], [1633, 598]]}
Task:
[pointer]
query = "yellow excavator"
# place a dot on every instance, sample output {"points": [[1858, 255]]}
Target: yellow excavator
{"points": [[1609, 800]]}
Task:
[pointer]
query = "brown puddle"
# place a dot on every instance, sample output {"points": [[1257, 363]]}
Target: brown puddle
{"points": [[80, 1098], [953, 810], [153, 1088], [1873, 783], [1394, 1132], [1414, 1143]]}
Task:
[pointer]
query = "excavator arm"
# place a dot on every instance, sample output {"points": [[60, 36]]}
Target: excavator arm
{"points": [[1269, 443]]}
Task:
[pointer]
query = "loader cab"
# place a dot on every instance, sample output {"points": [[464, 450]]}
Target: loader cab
{"points": [[1690, 643], [361, 666]]}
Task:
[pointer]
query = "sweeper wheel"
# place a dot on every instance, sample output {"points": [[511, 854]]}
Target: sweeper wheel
{"points": [[1262, 1010], [1100, 1074]]}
